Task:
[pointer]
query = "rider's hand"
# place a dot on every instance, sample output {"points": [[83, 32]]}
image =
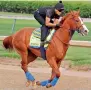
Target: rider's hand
{"points": [[57, 25]]}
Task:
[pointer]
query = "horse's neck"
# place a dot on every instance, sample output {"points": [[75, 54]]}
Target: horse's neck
{"points": [[64, 34]]}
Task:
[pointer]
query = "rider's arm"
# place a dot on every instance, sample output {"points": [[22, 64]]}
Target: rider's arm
{"points": [[48, 17], [48, 23], [56, 21]]}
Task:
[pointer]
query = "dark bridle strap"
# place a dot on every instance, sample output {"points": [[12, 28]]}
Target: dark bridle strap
{"points": [[77, 28]]}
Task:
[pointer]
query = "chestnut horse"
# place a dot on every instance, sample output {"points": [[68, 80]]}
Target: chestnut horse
{"points": [[55, 51]]}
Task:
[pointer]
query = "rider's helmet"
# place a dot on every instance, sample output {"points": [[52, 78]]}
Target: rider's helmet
{"points": [[59, 6]]}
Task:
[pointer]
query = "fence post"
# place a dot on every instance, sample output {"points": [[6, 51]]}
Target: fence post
{"points": [[13, 26]]}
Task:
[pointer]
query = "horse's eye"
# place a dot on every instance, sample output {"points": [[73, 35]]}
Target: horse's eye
{"points": [[77, 20]]}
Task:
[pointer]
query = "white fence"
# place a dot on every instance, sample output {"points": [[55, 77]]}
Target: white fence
{"points": [[31, 17], [72, 42]]}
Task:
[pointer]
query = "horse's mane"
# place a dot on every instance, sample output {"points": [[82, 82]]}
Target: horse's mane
{"points": [[72, 13], [65, 17]]}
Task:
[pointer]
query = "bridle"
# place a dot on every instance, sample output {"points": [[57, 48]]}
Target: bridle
{"points": [[70, 31], [77, 27]]}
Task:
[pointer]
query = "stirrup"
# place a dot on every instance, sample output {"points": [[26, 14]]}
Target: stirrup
{"points": [[45, 42], [42, 43]]}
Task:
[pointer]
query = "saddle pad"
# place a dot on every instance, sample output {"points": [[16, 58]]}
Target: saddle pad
{"points": [[35, 39]]}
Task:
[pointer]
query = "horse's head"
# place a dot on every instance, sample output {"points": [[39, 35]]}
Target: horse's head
{"points": [[75, 22]]}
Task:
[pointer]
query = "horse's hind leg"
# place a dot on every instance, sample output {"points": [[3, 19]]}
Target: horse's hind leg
{"points": [[22, 50], [31, 57]]}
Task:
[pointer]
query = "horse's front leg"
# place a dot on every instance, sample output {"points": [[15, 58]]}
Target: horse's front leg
{"points": [[45, 82], [55, 72], [53, 75]]}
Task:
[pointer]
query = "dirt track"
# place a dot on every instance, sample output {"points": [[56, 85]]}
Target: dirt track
{"points": [[13, 78]]}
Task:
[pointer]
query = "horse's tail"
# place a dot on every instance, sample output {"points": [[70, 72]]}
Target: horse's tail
{"points": [[7, 42]]}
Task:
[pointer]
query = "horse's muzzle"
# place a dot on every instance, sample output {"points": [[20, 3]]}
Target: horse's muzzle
{"points": [[84, 32]]}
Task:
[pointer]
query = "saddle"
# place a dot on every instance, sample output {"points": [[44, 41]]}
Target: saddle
{"points": [[35, 39]]}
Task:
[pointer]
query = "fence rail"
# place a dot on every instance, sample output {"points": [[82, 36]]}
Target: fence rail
{"points": [[72, 42], [2, 37], [31, 17], [80, 43]]}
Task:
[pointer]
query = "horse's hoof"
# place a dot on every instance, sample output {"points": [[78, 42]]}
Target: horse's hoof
{"points": [[28, 83], [38, 83], [34, 85], [48, 86]]}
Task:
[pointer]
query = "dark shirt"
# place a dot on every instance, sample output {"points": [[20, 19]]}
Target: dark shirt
{"points": [[48, 11]]}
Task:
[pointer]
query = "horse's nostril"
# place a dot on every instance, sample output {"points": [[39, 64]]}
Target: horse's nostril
{"points": [[85, 30]]}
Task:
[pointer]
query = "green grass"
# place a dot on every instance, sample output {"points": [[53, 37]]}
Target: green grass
{"points": [[77, 55], [6, 27], [86, 38], [36, 24]]}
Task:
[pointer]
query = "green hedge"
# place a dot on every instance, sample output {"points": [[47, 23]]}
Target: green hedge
{"points": [[23, 6], [31, 6], [84, 7]]}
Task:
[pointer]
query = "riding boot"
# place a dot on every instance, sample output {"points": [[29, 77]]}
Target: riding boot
{"points": [[43, 51]]}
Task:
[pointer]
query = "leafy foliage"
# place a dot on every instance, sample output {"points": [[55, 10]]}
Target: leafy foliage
{"points": [[31, 6]]}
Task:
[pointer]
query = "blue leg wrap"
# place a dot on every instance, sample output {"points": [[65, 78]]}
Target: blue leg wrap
{"points": [[54, 81], [29, 76], [44, 83]]}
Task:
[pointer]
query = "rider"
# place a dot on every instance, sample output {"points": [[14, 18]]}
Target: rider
{"points": [[44, 16]]}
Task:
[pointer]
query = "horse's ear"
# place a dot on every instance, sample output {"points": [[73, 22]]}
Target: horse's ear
{"points": [[78, 12], [71, 12]]}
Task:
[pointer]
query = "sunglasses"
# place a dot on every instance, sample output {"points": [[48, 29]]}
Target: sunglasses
{"points": [[60, 10]]}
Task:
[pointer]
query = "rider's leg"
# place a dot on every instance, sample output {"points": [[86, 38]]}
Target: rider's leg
{"points": [[39, 18], [44, 33], [44, 29]]}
